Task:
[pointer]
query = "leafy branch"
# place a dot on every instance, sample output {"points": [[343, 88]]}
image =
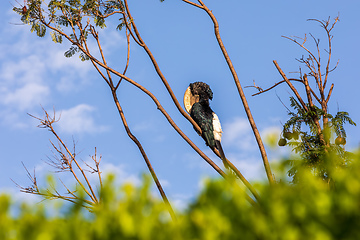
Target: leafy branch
{"points": [[311, 122]]}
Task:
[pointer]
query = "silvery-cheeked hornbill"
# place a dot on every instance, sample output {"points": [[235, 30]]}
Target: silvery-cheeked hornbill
{"points": [[196, 102]]}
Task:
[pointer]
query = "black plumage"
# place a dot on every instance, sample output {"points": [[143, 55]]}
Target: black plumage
{"points": [[205, 117]]}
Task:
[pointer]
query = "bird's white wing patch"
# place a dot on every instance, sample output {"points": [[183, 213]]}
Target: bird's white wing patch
{"points": [[217, 127]]}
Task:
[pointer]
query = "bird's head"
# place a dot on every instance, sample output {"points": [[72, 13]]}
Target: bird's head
{"points": [[202, 90], [197, 91]]}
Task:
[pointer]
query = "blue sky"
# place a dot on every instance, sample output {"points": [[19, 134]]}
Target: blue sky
{"points": [[34, 74]]}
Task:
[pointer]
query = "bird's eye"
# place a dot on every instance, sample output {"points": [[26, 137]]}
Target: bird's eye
{"points": [[196, 98]]}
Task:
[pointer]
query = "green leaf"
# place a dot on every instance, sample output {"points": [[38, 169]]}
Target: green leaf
{"points": [[71, 51], [56, 37], [83, 57], [121, 25], [62, 20], [100, 22], [39, 28]]}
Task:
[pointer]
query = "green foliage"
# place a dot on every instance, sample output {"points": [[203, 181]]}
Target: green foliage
{"points": [[338, 121], [100, 22], [71, 14], [309, 210], [57, 38], [71, 51], [39, 28], [305, 140], [121, 25], [83, 57]]}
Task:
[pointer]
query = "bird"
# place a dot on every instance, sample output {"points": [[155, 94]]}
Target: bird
{"points": [[196, 102]]}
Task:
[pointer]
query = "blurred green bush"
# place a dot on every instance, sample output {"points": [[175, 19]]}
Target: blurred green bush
{"points": [[310, 209]]}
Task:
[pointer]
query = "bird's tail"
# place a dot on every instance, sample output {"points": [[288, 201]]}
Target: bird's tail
{"points": [[222, 155]]}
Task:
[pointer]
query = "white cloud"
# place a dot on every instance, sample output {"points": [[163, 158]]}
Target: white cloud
{"points": [[22, 86], [34, 70], [25, 97], [79, 120], [237, 133], [24, 70]]}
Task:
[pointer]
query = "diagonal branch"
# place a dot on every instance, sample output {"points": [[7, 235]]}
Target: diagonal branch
{"points": [[147, 161], [137, 142], [47, 123], [314, 116], [155, 100], [192, 3], [127, 58], [290, 85], [240, 91], [159, 72], [162, 77], [276, 84]]}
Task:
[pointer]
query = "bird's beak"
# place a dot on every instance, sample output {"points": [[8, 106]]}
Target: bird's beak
{"points": [[189, 99]]}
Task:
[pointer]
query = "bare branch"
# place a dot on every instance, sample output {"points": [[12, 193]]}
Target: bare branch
{"points": [[127, 57], [47, 123], [308, 93], [97, 164], [290, 85], [147, 161], [192, 3], [329, 94], [137, 142], [161, 75], [302, 46], [276, 84], [255, 86]]}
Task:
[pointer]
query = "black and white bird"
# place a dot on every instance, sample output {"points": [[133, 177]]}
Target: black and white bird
{"points": [[196, 102]]}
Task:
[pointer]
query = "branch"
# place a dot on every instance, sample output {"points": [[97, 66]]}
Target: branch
{"points": [[155, 100], [302, 46], [290, 85], [315, 118], [109, 70], [47, 194], [192, 3], [47, 123], [276, 84], [329, 94], [97, 164], [162, 77], [147, 161], [159, 72], [138, 144], [127, 58], [308, 93]]}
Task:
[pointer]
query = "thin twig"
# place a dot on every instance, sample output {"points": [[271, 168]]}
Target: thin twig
{"points": [[276, 84]]}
